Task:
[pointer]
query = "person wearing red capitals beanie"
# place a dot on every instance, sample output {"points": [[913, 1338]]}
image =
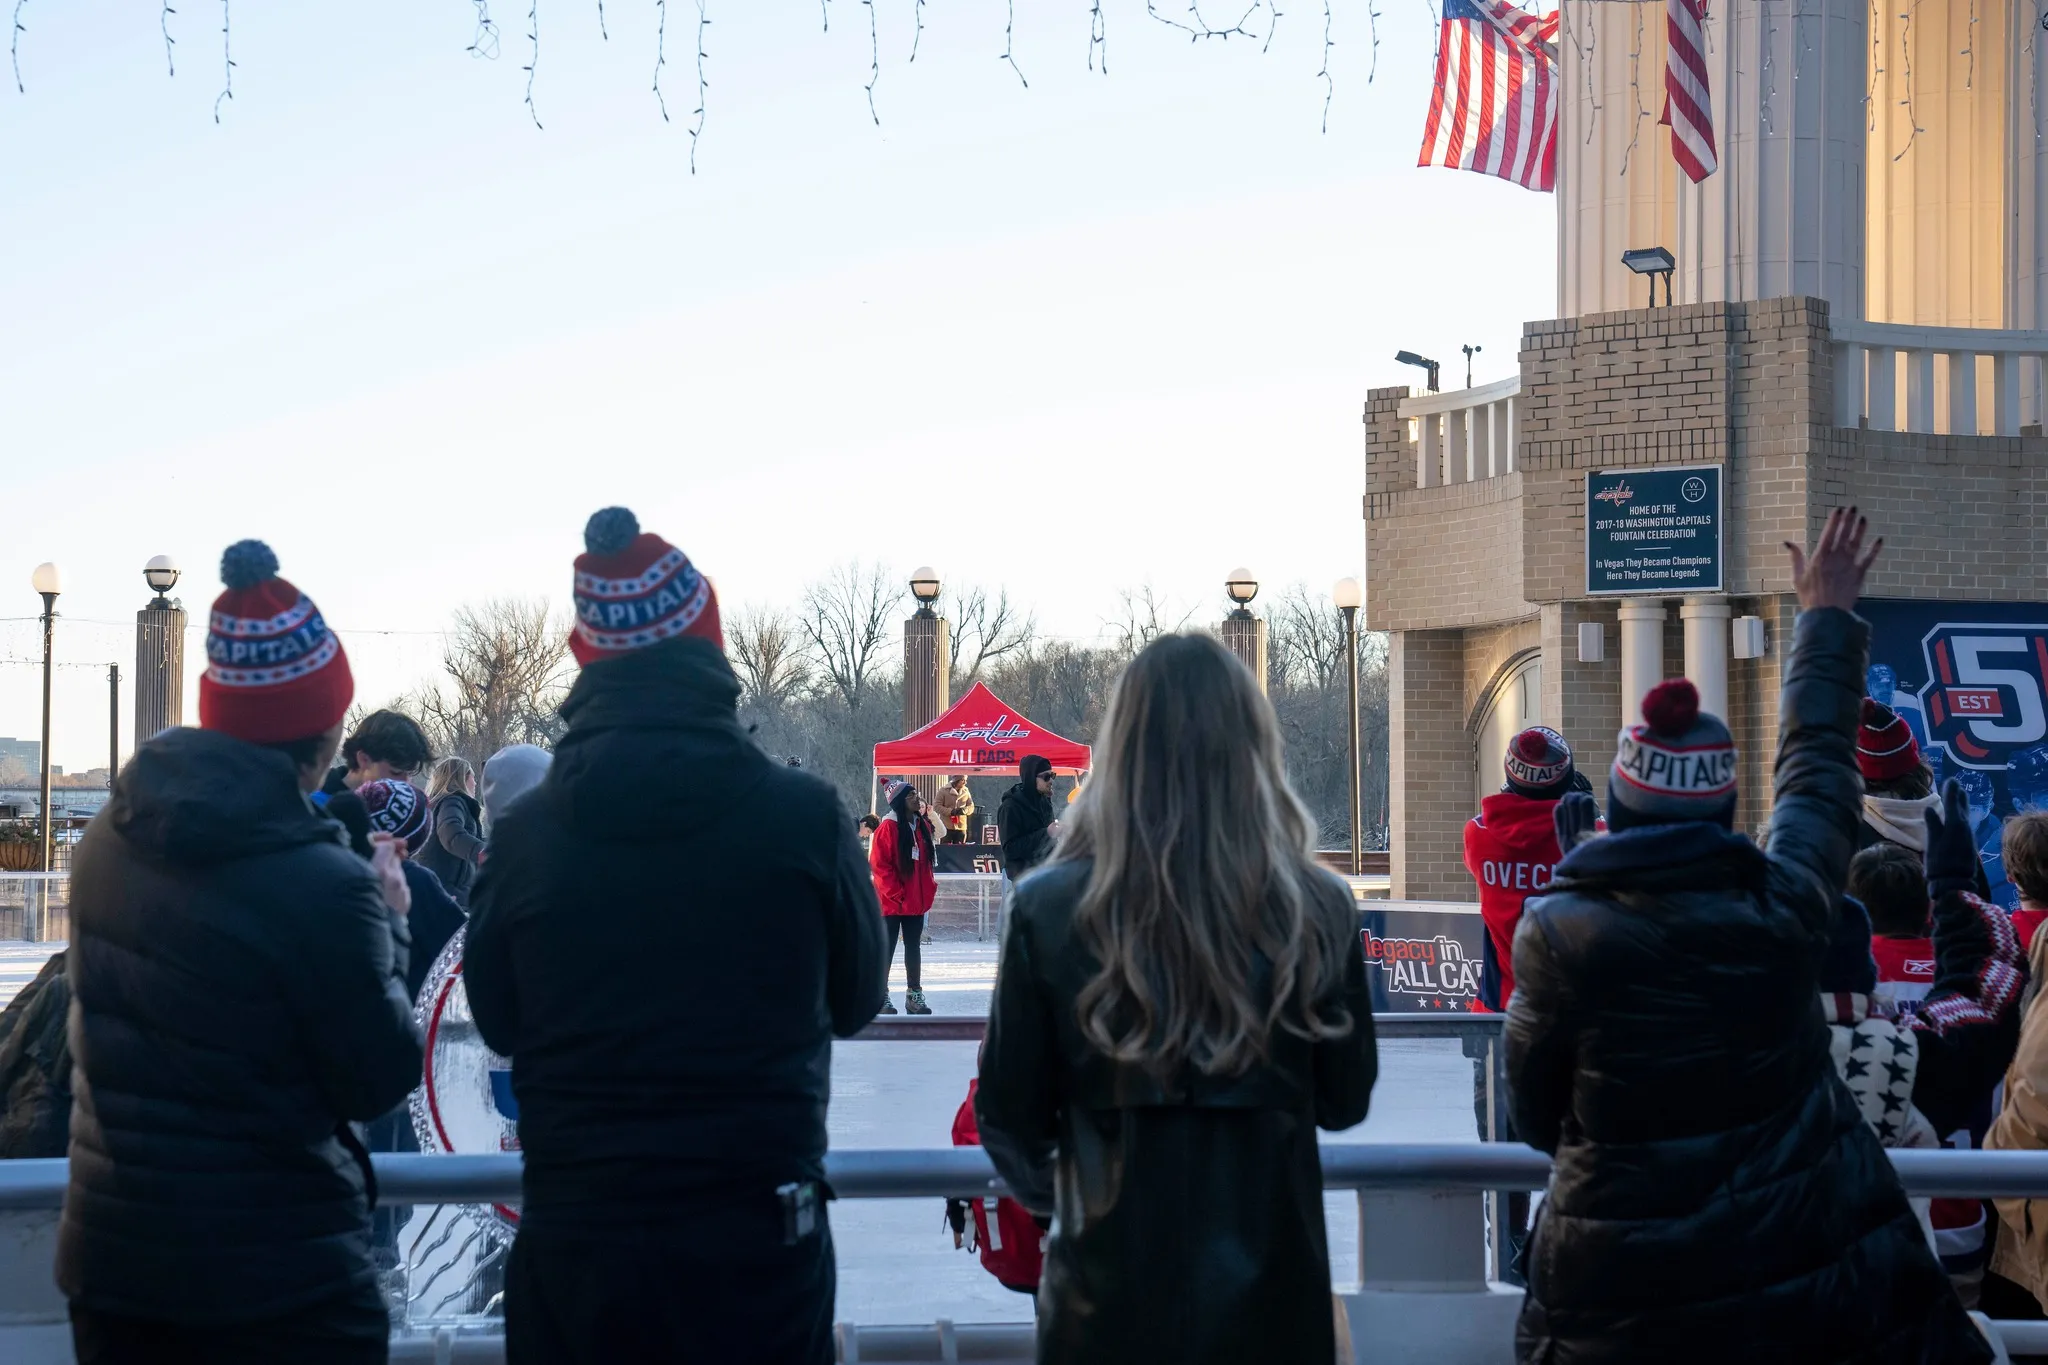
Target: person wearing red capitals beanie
{"points": [[238, 1001], [1511, 847], [667, 971], [634, 589], [1715, 1193], [274, 671]]}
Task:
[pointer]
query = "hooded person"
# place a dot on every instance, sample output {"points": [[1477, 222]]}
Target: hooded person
{"points": [[238, 998], [1024, 820], [666, 972], [1511, 849], [509, 774], [1715, 1192], [900, 856], [1898, 786]]}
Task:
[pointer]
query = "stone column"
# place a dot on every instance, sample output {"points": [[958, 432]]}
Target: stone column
{"points": [[927, 679], [159, 668], [1706, 650], [1642, 654], [1244, 635]]}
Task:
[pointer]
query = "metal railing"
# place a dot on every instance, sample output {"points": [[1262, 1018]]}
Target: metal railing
{"points": [[966, 1172], [35, 907], [1946, 372], [1464, 435]]}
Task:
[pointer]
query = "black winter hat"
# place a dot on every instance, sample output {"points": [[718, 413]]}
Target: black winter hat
{"points": [[1032, 766]]}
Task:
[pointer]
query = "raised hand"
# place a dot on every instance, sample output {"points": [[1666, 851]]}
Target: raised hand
{"points": [[1575, 819], [1832, 573], [1951, 846], [387, 860]]}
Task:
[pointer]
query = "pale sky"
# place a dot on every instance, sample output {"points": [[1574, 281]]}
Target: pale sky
{"points": [[1095, 333]]}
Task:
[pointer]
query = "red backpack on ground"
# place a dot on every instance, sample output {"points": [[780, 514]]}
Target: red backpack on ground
{"points": [[1011, 1243]]}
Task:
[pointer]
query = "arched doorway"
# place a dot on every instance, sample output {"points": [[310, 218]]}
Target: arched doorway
{"points": [[1512, 705]]}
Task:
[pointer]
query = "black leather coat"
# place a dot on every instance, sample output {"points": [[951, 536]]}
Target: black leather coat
{"points": [[666, 969], [237, 991], [1716, 1195], [1189, 1218]]}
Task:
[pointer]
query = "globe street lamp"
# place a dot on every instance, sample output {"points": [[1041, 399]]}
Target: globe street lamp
{"points": [[1349, 597], [1242, 633], [161, 573], [1242, 588], [47, 580], [159, 653], [924, 586]]}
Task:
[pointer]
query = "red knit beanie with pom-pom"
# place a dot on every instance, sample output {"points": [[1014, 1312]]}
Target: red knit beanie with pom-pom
{"points": [[1679, 764], [1539, 763]]}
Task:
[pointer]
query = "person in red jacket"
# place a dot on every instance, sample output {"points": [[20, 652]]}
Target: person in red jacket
{"points": [[1511, 847], [900, 857]]}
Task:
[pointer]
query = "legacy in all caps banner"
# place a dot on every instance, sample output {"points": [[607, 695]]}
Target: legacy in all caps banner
{"points": [[1971, 680], [1421, 959]]}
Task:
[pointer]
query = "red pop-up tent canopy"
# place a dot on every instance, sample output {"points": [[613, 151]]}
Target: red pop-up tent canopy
{"points": [[980, 734]]}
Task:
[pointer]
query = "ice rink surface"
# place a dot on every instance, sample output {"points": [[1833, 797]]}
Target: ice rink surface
{"points": [[897, 1262]]}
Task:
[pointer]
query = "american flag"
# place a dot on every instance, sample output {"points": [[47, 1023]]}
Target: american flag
{"points": [[1687, 107], [1495, 106]]}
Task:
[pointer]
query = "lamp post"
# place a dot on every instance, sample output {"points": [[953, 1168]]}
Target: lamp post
{"points": [[47, 580], [927, 664], [1244, 634], [159, 654], [1349, 597]]}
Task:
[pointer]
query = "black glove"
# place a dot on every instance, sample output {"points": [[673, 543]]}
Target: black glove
{"points": [[1951, 847], [1575, 817]]}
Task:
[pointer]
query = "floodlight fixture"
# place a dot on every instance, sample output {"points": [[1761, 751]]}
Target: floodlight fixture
{"points": [[1421, 362]]}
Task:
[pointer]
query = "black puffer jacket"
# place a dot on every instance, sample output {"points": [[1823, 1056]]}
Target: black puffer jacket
{"points": [[665, 969], [457, 843], [1716, 1195], [238, 991], [1024, 821], [35, 1067], [1190, 1217]]}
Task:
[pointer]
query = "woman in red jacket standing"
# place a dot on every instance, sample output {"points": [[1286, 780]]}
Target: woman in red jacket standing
{"points": [[900, 857]]}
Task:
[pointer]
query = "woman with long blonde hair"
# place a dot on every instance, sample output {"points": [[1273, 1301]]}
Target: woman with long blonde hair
{"points": [[1181, 1003], [457, 849]]}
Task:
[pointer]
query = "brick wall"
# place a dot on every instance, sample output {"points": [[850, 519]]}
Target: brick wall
{"points": [[1472, 572], [1430, 764], [1487, 651]]}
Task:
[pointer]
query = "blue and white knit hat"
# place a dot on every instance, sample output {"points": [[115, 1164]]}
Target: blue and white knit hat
{"points": [[634, 589], [1678, 765]]}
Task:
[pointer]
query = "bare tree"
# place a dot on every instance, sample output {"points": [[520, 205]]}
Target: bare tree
{"points": [[507, 670], [767, 648], [986, 629], [1142, 617], [1304, 641], [846, 622]]}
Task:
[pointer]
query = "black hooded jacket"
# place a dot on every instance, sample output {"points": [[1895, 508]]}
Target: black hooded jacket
{"points": [[1716, 1195], [665, 969], [237, 994], [1024, 820]]}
